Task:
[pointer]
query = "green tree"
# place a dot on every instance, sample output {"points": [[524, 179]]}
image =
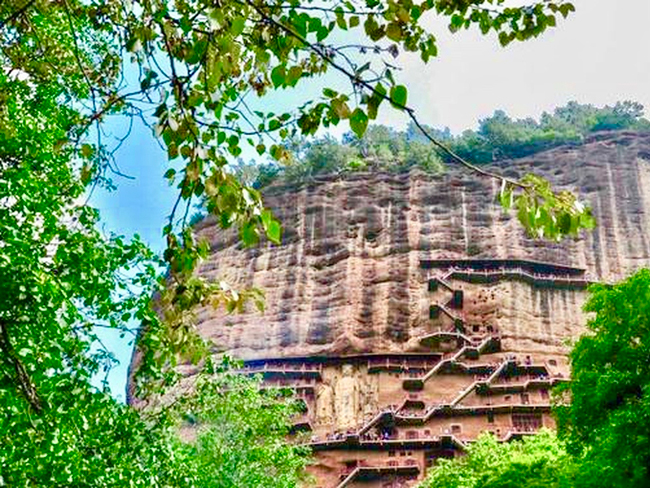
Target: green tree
{"points": [[607, 422], [538, 461], [60, 281], [225, 434], [500, 137], [239, 436]]}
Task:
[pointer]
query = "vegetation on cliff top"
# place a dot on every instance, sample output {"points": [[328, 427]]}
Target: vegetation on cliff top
{"points": [[497, 137]]}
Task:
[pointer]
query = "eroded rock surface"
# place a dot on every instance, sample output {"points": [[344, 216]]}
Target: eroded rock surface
{"points": [[347, 278]]}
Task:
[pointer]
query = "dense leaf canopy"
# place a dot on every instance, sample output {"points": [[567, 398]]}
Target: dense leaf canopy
{"points": [[60, 281], [607, 423], [538, 461]]}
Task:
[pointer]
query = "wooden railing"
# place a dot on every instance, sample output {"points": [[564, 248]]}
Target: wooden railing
{"points": [[392, 363], [564, 281], [308, 369], [404, 469], [480, 348], [528, 265]]}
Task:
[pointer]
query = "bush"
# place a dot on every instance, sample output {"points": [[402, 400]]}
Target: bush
{"points": [[498, 137]]}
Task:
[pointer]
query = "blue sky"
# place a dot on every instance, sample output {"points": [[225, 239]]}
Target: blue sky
{"points": [[138, 206], [599, 55]]}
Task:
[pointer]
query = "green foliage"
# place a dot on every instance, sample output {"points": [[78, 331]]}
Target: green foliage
{"points": [[607, 423], [225, 435], [546, 214], [538, 461], [380, 149], [239, 437], [61, 280], [82, 437], [500, 137], [60, 277]]}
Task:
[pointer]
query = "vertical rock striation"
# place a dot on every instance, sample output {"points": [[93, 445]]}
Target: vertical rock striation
{"points": [[347, 278]]}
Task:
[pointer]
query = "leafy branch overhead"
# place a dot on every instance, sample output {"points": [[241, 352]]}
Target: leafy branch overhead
{"points": [[204, 69], [543, 212]]}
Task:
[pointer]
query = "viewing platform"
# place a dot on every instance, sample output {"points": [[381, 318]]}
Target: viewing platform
{"points": [[489, 271], [370, 473], [530, 266]]}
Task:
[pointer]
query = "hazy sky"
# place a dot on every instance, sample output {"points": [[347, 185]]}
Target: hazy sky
{"points": [[600, 55]]}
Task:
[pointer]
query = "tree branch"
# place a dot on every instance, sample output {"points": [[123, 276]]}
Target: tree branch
{"points": [[17, 13], [409, 110], [22, 379]]}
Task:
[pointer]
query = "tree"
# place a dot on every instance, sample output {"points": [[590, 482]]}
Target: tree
{"points": [[65, 67], [607, 422], [240, 436], [499, 137], [61, 280], [231, 435], [603, 413], [538, 461]]}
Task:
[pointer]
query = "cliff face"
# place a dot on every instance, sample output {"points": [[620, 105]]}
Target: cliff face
{"points": [[348, 276], [410, 313]]}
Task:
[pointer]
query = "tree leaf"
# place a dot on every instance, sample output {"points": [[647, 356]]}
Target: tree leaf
{"points": [[237, 26], [274, 231], [358, 122], [278, 76], [398, 96]]}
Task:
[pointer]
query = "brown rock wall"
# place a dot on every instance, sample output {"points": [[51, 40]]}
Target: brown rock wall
{"points": [[347, 277]]}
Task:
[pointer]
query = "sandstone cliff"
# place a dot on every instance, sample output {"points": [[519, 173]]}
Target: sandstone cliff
{"points": [[348, 277]]}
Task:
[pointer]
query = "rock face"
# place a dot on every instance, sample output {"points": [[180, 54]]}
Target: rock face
{"points": [[348, 276], [411, 313]]}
